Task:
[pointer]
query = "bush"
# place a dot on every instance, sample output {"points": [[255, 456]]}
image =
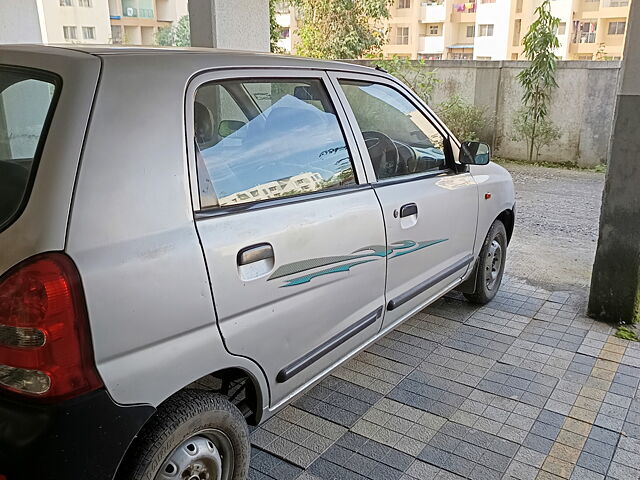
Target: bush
{"points": [[413, 73], [464, 119], [523, 129]]}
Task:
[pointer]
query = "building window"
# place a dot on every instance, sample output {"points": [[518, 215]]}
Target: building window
{"points": [[487, 1], [519, 6], [404, 3], [434, 29], [517, 28], [483, 58], [85, 3], [485, 30], [66, 3], [562, 28], [70, 33], [471, 31], [402, 36], [586, 32], [514, 56], [617, 28], [585, 57], [116, 34], [89, 33]]}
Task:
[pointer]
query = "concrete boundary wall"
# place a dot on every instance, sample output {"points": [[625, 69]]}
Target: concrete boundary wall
{"points": [[582, 105]]}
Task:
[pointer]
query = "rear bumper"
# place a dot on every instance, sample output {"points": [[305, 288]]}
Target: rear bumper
{"points": [[85, 437]]}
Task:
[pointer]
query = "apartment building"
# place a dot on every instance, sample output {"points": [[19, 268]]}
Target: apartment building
{"points": [[135, 22], [54, 21], [493, 29], [103, 22]]}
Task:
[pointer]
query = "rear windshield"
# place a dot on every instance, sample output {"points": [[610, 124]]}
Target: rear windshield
{"points": [[27, 99]]}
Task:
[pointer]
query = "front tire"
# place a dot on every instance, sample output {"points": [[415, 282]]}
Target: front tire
{"points": [[491, 264], [194, 434]]}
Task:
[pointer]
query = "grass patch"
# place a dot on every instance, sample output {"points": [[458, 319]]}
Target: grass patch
{"points": [[627, 333], [566, 166]]}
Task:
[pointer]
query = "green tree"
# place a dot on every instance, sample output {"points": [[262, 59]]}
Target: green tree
{"points": [[537, 135], [340, 28], [538, 79], [178, 35], [464, 119], [274, 28], [413, 73]]}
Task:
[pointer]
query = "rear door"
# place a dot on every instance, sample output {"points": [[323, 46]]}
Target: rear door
{"points": [[292, 232], [429, 206]]}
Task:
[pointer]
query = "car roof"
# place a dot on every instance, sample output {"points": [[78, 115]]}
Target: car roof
{"points": [[217, 57]]}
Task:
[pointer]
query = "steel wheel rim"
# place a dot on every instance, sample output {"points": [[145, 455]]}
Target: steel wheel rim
{"points": [[493, 265], [206, 455]]}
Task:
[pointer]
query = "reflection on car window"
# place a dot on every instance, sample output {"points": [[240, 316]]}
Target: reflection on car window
{"points": [[259, 140], [399, 138]]}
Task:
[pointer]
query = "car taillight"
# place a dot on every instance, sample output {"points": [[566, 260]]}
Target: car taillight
{"points": [[45, 348]]}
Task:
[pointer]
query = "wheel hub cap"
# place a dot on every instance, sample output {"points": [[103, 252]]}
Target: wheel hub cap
{"points": [[493, 264], [196, 459]]}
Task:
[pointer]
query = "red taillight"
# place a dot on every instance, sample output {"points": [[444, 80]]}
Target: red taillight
{"points": [[45, 349]]}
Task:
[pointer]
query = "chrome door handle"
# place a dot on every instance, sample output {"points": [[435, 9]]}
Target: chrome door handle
{"points": [[255, 253], [408, 209]]}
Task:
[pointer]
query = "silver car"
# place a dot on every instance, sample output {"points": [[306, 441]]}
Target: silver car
{"points": [[191, 238]]}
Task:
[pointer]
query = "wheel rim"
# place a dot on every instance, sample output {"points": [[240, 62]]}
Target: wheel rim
{"points": [[207, 455], [493, 265]]}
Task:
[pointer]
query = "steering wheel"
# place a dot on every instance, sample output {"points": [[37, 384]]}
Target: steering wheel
{"points": [[383, 153], [409, 162]]}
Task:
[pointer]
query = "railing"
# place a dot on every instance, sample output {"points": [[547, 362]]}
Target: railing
{"points": [[468, 7]]}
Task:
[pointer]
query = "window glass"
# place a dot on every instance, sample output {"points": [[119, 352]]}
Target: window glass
{"points": [[25, 101], [399, 138], [264, 139]]}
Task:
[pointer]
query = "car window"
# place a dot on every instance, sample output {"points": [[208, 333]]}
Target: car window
{"points": [[263, 139], [26, 98], [399, 138]]}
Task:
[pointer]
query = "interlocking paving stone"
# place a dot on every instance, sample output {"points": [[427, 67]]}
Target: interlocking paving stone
{"points": [[523, 388], [480, 342]]}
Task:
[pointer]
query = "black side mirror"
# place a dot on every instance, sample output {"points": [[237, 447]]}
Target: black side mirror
{"points": [[475, 153]]}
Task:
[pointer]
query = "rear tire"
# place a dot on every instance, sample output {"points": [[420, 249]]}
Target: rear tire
{"points": [[194, 434], [491, 262]]}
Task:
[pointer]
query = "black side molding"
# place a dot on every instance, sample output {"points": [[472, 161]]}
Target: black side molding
{"points": [[317, 353], [427, 284]]}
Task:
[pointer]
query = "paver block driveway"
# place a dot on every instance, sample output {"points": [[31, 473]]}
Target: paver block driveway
{"points": [[524, 388]]}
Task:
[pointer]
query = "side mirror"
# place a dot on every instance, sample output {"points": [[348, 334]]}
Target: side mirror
{"points": [[227, 127], [475, 153]]}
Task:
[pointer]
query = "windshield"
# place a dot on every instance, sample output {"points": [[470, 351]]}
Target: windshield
{"points": [[26, 104]]}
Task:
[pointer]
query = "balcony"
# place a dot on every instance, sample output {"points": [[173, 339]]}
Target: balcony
{"points": [[464, 12], [432, 13], [432, 44]]}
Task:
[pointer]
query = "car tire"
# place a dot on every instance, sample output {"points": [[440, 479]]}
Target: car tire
{"points": [[193, 433], [490, 268]]}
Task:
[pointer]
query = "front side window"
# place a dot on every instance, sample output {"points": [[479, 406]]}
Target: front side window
{"points": [[399, 138], [26, 99], [260, 139]]}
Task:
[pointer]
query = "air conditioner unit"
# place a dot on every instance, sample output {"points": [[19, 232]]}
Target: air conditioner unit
{"points": [[131, 12]]}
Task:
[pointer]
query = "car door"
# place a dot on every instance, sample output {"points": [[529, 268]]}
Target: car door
{"points": [[429, 204], [292, 233]]}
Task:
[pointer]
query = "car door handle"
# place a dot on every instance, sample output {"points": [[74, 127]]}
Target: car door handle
{"points": [[408, 209], [255, 253]]}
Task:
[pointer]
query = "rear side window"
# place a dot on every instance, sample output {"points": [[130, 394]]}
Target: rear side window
{"points": [[263, 139], [26, 105]]}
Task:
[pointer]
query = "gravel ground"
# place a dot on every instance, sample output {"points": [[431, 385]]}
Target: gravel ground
{"points": [[556, 229]]}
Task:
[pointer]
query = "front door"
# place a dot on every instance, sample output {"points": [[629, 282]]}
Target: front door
{"points": [[292, 233], [430, 210]]}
